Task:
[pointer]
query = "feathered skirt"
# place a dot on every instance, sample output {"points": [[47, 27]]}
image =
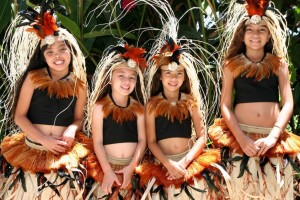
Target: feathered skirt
{"points": [[203, 179], [266, 177], [30, 171]]}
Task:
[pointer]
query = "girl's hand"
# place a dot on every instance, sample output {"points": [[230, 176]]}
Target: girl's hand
{"points": [[54, 144], [69, 134], [264, 144], [108, 180], [248, 146], [175, 170], [127, 175]]}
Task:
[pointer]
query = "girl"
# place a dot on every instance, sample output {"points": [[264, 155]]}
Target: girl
{"points": [[42, 161], [175, 129], [255, 66], [117, 121]]}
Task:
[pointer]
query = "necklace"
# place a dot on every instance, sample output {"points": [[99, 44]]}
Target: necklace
{"points": [[112, 99], [172, 102]]}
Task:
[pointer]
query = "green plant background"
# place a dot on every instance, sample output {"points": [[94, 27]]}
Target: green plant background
{"points": [[93, 40]]}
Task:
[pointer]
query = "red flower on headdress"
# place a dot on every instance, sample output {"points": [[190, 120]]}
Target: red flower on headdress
{"points": [[128, 5], [135, 54], [257, 7], [44, 26]]}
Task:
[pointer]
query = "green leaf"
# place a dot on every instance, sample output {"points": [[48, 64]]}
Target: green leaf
{"points": [[5, 14], [108, 32], [70, 25]]}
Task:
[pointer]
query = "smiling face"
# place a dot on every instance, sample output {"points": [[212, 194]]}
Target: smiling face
{"points": [[123, 80], [58, 57], [256, 36], [172, 80]]}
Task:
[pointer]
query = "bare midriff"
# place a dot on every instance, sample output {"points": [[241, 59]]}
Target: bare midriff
{"points": [[173, 146], [262, 114], [121, 150], [57, 131]]}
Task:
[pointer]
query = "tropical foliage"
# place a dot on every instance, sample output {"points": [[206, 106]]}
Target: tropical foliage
{"points": [[203, 24]]}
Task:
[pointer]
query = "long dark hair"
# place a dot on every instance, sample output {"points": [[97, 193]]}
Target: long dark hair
{"points": [[37, 61], [237, 45]]}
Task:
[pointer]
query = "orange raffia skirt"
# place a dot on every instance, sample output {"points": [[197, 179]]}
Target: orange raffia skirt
{"points": [[30, 171], [202, 181], [95, 175], [267, 177]]}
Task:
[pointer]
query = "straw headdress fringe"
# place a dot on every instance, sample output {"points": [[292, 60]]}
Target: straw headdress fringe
{"points": [[237, 14], [120, 115]]}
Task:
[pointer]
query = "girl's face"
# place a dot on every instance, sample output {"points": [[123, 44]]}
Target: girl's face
{"points": [[172, 80], [58, 57], [256, 36], [123, 80]]}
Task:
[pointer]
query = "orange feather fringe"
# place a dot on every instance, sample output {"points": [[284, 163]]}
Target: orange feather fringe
{"points": [[163, 107], [257, 7], [221, 135], [46, 23], [19, 154], [61, 88], [241, 65], [136, 54], [120, 115], [149, 170]]}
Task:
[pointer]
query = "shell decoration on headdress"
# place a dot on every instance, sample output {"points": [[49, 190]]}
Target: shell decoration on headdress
{"points": [[134, 56], [169, 55], [256, 9]]}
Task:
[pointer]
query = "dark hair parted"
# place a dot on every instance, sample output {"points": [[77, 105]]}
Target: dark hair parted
{"points": [[157, 86], [237, 45]]}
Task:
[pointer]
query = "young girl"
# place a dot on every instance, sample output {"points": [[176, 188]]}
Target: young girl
{"points": [[117, 121], [42, 161], [175, 129], [255, 66]]}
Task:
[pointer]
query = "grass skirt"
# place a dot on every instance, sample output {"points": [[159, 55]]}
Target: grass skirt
{"points": [[268, 177], [202, 181], [30, 171]]}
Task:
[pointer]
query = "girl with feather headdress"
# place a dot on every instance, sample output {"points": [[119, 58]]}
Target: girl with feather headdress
{"points": [[257, 149], [45, 104], [116, 121], [175, 124]]}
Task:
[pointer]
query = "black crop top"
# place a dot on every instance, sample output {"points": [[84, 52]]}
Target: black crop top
{"points": [[251, 90], [48, 110], [172, 119], [120, 123], [53, 101], [167, 129], [114, 132]]}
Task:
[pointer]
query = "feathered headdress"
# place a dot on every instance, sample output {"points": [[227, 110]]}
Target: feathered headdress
{"points": [[133, 55], [238, 14], [21, 40], [169, 55], [256, 9], [42, 23], [113, 58]]}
